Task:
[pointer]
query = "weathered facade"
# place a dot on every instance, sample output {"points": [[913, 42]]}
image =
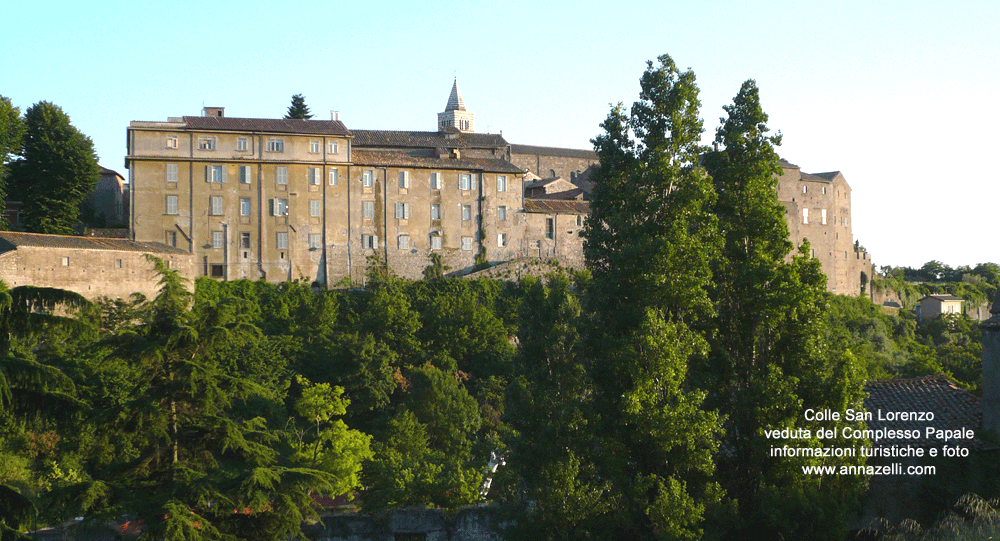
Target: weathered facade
{"points": [[92, 267]]}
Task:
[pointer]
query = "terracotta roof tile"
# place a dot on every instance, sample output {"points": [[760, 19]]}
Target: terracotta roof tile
{"points": [[10, 240], [425, 139], [395, 158], [554, 151], [271, 125], [556, 206], [953, 408]]}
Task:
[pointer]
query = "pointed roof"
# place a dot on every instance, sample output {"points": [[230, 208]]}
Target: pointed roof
{"points": [[455, 102]]}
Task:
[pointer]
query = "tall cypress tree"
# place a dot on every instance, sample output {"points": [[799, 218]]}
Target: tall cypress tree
{"points": [[58, 172]]}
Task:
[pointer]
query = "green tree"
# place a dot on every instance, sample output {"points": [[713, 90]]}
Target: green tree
{"points": [[648, 242], [769, 358], [11, 134], [298, 109], [58, 171]]}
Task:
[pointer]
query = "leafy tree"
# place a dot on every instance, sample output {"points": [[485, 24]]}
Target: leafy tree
{"points": [[648, 243], [58, 171], [298, 109], [11, 134]]}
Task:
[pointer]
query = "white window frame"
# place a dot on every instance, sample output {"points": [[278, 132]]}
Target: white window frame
{"points": [[404, 179], [275, 145], [215, 173], [368, 210], [502, 213], [281, 240], [245, 206], [246, 174], [315, 208], [435, 212], [366, 178], [172, 142], [466, 212], [314, 175], [241, 144], [279, 206], [334, 147], [314, 146], [822, 216], [402, 211], [501, 240], [467, 244], [333, 177], [245, 240], [805, 188], [215, 205], [403, 242], [435, 241], [218, 241], [281, 175], [464, 181], [172, 205], [206, 143], [315, 241], [369, 242], [172, 172], [805, 216], [501, 183], [435, 181]]}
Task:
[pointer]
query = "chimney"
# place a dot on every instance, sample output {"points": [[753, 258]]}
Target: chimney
{"points": [[991, 369], [213, 111], [335, 115]]}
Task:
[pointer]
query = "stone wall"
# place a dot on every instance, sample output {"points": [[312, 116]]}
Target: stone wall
{"points": [[470, 524]]}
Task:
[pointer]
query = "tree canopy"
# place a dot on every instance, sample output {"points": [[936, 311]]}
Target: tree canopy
{"points": [[298, 108]]}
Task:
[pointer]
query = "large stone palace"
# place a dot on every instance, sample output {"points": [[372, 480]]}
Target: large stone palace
{"points": [[282, 199]]}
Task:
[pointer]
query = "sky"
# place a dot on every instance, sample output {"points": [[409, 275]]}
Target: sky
{"points": [[898, 96]]}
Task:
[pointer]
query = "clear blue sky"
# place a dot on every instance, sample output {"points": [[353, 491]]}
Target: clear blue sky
{"points": [[899, 96]]}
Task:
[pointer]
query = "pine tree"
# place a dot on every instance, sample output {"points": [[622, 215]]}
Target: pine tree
{"points": [[58, 171], [648, 242], [298, 108]]}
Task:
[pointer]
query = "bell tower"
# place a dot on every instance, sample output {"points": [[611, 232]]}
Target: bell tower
{"points": [[455, 116]]}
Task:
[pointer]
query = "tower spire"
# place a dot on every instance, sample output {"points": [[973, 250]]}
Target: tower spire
{"points": [[455, 116], [455, 102]]}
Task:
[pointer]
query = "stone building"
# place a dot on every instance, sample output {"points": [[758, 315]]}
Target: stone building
{"points": [[92, 267], [284, 199]]}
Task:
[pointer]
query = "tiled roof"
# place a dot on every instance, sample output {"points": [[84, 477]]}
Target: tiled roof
{"points": [[395, 158], [556, 206], [554, 151], [11, 240], [270, 125], [953, 408], [455, 102], [785, 164], [425, 139], [943, 297]]}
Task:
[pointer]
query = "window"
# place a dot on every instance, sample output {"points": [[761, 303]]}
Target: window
{"points": [[215, 205], [368, 210], [579, 220], [170, 238], [501, 183], [216, 270], [171, 204], [805, 188], [403, 242], [118, 263], [245, 172], [215, 173], [805, 216], [467, 243], [315, 241], [822, 216], [501, 240], [404, 179], [244, 206], [366, 179], [501, 214], [241, 144], [314, 175], [315, 208], [823, 189], [464, 181], [206, 143], [466, 212], [334, 147], [435, 212], [435, 181], [217, 240], [435, 241], [275, 145], [282, 240], [65, 261], [402, 211], [281, 175], [369, 241], [333, 177], [171, 141], [550, 228], [279, 207], [171, 172], [245, 241], [314, 147]]}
